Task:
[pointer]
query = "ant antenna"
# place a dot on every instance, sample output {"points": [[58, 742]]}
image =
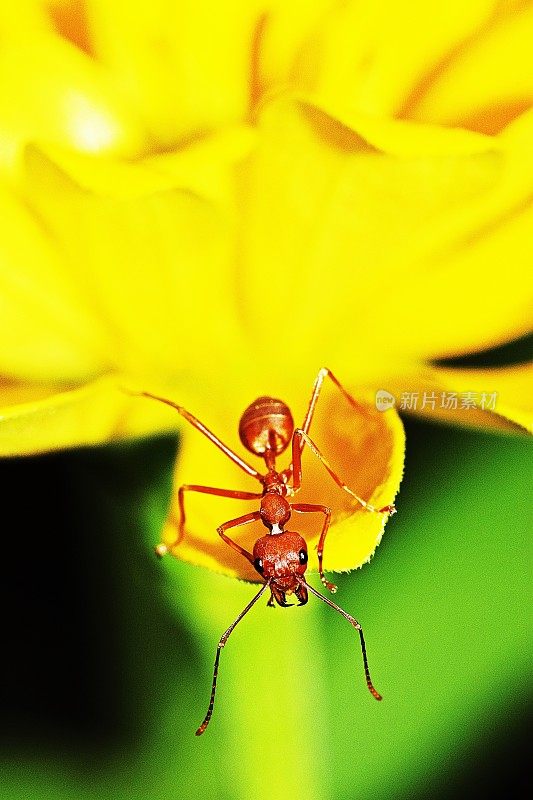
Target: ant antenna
{"points": [[357, 626], [223, 639]]}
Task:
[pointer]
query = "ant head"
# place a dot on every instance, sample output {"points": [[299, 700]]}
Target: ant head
{"points": [[266, 425], [281, 557]]}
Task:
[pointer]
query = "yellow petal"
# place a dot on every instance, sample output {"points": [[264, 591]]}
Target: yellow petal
{"points": [[388, 237], [42, 417], [207, 165], [515, 141], [374, 55], [186, 66], [52, 92], [24, 16], [512, 387], [289, 42], [485, 83], [204, 167], [366, 449], [37, 419], [499, 398], [47, 329], [153, 261]]}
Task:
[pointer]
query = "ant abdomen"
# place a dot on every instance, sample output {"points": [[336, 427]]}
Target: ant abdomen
{"points": [[266, 424]]}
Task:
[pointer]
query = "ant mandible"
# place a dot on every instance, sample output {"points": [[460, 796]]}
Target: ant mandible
{"points": [[266, 429]]}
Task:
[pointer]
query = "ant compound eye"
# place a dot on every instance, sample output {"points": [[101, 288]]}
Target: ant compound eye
{"points": [[258, 564], [302, 556]]}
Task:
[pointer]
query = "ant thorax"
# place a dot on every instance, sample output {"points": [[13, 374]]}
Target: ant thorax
{"points": [[276, 482], [275, 510]]}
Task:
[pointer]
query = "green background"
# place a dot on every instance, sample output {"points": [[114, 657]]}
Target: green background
{"points": [[108, 651]]}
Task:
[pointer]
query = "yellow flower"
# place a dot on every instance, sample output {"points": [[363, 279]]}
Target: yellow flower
{"points": [[211, 201]]}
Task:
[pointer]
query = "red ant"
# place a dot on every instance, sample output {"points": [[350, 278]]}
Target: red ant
{"points": [[266, 428]]}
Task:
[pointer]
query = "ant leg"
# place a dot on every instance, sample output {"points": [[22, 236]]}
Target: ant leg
{"points": [[206, 432], [304, 508], [300, 436], [357, 627], [234, 523], [162, 549], [323, 373], [223, 639]]}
